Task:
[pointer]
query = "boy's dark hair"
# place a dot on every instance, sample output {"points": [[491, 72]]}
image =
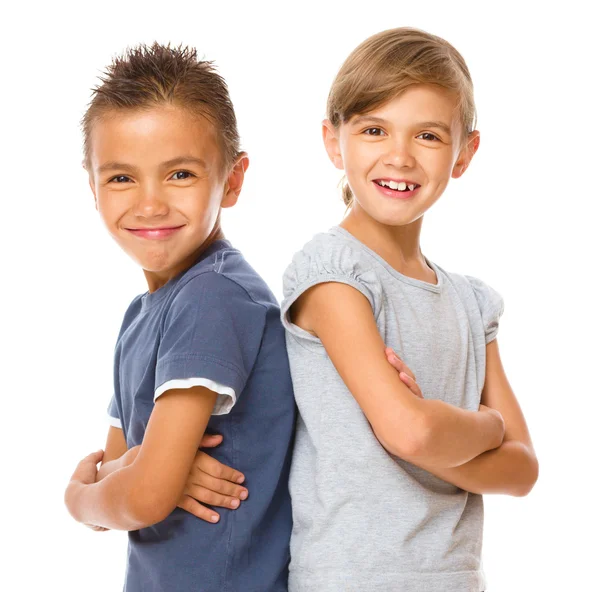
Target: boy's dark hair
{"points": [[150, 76]]}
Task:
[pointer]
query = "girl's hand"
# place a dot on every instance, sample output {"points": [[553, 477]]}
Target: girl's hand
{"points": [[406, 375], [211, 482]]}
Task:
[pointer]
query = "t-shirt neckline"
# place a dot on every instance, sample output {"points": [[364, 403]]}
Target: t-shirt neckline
{"points": [[395, 273]]}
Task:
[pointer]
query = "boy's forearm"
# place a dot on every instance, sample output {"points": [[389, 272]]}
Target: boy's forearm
{"points": [[118, 463], [511, 469], [116, 502], [454, 436]]}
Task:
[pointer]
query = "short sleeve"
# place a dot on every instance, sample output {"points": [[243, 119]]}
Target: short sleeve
{"points": [[113, 414], [211, 336], [491, 306], [327, 258]]}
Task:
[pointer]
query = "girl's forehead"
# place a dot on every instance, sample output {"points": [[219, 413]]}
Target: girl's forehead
{"points": [[419, 101]]}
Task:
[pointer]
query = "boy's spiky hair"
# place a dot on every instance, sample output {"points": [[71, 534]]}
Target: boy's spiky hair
{"points": [[150, 76]]}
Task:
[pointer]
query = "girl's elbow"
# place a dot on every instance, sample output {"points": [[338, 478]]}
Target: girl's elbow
{"points": [[405, 441]]}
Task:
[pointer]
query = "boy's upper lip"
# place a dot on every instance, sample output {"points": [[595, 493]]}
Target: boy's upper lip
{"points": [[407, 181]]}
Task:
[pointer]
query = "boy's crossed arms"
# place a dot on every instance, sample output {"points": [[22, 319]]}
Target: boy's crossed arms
{"points": [[141, 486]]}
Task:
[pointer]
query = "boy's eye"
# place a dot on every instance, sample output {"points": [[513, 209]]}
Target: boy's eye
{"points": [[181, 175], [119, 179], [428, 136], [373, 131]]}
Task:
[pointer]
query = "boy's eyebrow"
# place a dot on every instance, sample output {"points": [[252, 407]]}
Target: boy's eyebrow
{"points": [[111, 166], [371, 119]]}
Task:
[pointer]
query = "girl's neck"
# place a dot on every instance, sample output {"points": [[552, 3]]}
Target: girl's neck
{"points": [[399, 246]]}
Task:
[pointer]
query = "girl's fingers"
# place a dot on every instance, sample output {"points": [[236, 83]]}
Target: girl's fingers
{"points": [[190, 505], [206, 496], [207, 464], [411, 384], [397, 363], [221, 486]]}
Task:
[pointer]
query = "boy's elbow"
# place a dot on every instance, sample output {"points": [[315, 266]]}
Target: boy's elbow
{"points": [[148, 507]]}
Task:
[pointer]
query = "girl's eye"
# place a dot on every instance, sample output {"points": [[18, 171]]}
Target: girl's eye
{"points": [[428, 136], [373, 131], [181, 175]]}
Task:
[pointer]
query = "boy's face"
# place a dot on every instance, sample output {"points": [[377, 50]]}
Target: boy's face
{"points": [[158, 183], [414, 139]]}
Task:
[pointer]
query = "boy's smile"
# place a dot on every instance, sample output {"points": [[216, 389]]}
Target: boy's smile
{"points": [[159, 183], [399, 158]]}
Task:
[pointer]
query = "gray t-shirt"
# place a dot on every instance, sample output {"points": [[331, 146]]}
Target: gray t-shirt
{"points": [[365, 520]]}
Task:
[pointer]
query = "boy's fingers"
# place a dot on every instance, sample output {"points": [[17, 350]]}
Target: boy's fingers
{"points": [[213, 467], [86, 468], [206, 496], [219, 485], [211, 440], [190, 505]]}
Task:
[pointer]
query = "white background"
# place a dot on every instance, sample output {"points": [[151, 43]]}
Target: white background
{"points": [[523, 219]]}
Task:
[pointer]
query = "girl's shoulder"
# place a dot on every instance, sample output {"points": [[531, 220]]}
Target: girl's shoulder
{"points": [[332, 256]]}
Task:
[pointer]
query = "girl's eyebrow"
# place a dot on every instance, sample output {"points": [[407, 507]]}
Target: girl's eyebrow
{"points": [[362, 119]]}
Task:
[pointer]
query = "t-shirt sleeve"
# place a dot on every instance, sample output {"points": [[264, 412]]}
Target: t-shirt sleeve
{"points": [[491, 307], [113, 414], [327, 259], [211, 337]]}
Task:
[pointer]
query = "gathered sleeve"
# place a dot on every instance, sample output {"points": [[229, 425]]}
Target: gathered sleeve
{"points": [[491, 307]]}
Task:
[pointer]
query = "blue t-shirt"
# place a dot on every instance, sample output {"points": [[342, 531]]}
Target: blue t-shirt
{"points": [[220, 322]]}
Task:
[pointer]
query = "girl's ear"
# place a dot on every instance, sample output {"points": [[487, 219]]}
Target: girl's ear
{"points": [[235, 180], [332, 144], [466, 154]]}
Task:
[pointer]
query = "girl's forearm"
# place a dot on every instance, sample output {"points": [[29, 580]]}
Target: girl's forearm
{"points": [[511, 469], [454, 436]]}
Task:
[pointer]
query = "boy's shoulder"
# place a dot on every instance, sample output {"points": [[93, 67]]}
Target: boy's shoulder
{"points": [[222, 274]]}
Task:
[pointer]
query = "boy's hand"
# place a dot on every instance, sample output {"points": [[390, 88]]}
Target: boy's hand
{"points": [[406, 375], [85, 474], [213, 483]]}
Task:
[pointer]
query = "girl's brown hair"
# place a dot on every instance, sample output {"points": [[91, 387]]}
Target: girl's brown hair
{"points": [[385, 65], [151, 76]]}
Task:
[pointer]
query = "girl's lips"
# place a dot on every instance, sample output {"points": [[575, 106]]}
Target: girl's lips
{"points": [[154, 233], [396, 194]]}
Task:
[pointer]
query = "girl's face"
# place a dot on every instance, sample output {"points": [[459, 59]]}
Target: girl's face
{"points": [[158, 185], [399, 157]]}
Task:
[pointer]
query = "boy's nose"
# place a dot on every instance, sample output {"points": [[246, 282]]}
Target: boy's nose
{"points": [[150, 204]]}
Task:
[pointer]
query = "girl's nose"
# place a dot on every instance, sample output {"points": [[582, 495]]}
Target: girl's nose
{"points": [[399, 156]]}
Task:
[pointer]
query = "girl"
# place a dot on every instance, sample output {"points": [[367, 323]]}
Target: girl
{"points": [[388, 472]]}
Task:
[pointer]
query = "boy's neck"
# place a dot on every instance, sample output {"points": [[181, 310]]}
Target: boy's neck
{"points": [[399, 246], [157, 280]]}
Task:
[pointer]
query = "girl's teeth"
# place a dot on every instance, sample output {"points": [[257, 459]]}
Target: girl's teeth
{"points": [[411, 187], [402, 186]]}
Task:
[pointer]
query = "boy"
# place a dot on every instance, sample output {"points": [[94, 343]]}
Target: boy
{"points": [[203, 351]]}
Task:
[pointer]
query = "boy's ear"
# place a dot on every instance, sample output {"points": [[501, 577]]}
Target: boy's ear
{"points": [[332, 144], [235, 180], [466, 154]]}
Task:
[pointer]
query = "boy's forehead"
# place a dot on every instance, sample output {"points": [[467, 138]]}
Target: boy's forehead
{"points": [[152, 136]]}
